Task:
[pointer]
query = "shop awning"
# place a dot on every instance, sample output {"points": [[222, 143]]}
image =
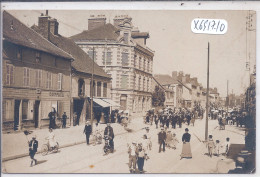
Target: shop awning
{"points": [[101, 103], [111, 102]]}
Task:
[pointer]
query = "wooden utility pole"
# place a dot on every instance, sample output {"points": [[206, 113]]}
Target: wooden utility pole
{"points": [[92, 88], [227, 97], [207, 101]]}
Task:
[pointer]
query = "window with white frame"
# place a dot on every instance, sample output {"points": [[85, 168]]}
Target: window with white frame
{"points": [[38, 78], [124, 80], [107, 58], [9, 74], [125, 59], [26, 76], [60, 77], [49, 80]]}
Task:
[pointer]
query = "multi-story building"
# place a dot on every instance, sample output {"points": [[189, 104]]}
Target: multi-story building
{"points": [[164, 82], [36, 77], [120, 49], [82, 68]]}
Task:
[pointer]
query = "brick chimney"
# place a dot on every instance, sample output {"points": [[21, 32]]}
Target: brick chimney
{"points": [[44, 25], [187, 78], [54, 26], [180, 75], [96, 21], [174, 74], [120, 18]]}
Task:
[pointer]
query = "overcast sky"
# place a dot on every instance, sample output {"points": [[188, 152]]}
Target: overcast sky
{"points": [[176, 47]]}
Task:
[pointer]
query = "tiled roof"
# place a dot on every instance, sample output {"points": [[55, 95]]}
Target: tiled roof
{"points": [[165, 79], [82, 62], [107, 31], [16, 32]]}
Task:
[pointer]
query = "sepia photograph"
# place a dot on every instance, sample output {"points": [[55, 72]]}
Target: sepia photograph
{"points": [[128, 91]]}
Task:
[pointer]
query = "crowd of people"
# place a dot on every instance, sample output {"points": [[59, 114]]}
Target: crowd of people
{"points": [[164, 119]]}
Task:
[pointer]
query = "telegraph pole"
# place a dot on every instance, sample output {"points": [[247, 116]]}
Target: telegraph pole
{"points": [[227, 97], [207, 101], [92, 88]]}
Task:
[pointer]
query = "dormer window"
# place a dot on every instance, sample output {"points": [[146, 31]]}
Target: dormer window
{"points": [[38, 57], [19, 54]]}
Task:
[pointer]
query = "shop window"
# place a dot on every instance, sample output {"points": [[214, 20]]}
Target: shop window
{"points": [[104, 89], [38, 57], [8, 111], [81, 86], [107, 58], [9, 74], [98, 89], [38, 74], [125, 59], [26, 77], [124, 80], [49, 80], [60, 77]]}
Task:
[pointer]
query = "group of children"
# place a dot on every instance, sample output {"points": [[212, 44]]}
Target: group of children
{"points": [[217, 148]]}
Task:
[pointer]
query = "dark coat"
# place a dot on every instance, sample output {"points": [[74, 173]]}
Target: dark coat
{"points": [[87, 129], [161, 136], [109, 131], [33, 146], [186, 137]]}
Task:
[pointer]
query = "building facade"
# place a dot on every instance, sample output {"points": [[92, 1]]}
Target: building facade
{"points": [[36, 77], [120, 49], [81, 74], [168, 91]]}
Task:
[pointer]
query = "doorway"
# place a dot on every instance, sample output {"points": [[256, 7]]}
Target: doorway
{"points": [[16, 114], [36, 113], [77, 108]]}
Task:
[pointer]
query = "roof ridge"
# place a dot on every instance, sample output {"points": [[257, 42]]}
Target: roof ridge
{"points": [[37, 34], [51, 42]]}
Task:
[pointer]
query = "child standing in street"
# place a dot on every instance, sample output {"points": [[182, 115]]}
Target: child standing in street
{"points": [[210, 145], [174, 141], [227, 145], [33, 145], [217, 147]]}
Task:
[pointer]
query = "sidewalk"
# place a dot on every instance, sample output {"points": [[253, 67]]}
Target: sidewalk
{"points": [[16, 146]]}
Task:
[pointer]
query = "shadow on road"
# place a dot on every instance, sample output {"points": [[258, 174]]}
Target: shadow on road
{"points": [[41, 161]]}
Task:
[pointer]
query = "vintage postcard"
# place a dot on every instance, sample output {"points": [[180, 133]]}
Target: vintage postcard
{"points": [[129, 91]]}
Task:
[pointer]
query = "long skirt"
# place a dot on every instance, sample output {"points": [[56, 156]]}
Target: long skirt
{"points": [[186, 150]]}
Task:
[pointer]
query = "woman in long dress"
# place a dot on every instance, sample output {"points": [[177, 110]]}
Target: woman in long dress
{"points": [[51, 138], [186, 150]]}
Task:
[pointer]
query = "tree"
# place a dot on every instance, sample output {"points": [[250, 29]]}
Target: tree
{"points": [[158, 97]]}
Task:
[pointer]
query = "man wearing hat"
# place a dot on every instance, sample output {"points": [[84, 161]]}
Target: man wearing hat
{"points": [[210, 145], [87, 131], [132, 151], [148, 135], [33, 145], [110, 133], [161, 139]]}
